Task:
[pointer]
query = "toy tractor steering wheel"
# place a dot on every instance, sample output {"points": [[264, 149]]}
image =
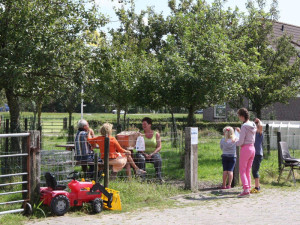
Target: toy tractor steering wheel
{"points": [[73, 175]]}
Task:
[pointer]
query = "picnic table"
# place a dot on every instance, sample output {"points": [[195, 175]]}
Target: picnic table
{"points": [[68, 147]]}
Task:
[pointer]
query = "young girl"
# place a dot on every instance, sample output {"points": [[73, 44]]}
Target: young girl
{"points": [[247, 152], [228, 146], [258, 155]]}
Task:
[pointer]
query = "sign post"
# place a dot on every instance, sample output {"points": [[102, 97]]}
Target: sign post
{"points": [[191, 158]]}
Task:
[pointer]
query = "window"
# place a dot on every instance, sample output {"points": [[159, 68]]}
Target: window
{"points": [[220, 111]]}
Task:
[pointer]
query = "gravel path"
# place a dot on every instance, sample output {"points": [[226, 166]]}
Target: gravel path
{"points": [[272, 206]]}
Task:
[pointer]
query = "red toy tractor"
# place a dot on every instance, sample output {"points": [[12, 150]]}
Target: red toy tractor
{"points": [[81, 192]]}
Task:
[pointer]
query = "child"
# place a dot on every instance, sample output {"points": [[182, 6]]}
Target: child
{"points": [[228, 146], [258, 144]]}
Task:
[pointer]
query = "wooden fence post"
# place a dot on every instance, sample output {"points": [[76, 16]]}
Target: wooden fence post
{"points": [[106, 162], [34, 164], [191, 158], [279, 150], [268, 138], [236, 172]]}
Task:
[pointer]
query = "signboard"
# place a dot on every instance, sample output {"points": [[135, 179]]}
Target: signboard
{"points": [[194, 135]]}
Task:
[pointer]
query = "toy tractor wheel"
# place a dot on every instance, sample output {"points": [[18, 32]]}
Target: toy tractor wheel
{"points": [[97, 205], [60, 205]]}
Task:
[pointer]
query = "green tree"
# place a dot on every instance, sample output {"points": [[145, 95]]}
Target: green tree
{"points": [[277, 74], [37, 45], [197, 56]]}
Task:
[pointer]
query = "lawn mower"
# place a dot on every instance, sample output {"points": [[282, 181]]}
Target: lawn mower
{"points": [[60, 200]]}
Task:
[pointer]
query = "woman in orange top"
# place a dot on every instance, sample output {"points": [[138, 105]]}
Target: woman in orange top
{"points": [[118, 156]]}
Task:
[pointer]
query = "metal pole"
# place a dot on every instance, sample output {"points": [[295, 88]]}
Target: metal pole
{"points": [[81, 107], [279, 150], [106, 162], [96, 167]]}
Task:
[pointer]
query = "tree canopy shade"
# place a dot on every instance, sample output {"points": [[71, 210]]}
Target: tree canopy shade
{"points": [[198, 67], [38, 44], [275, 63]]}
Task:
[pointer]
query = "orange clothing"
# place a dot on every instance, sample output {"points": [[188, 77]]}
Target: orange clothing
{"points": [[115, 149]]}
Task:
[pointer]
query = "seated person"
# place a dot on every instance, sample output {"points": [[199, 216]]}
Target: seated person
{"points": [[152, 149], [118, 156], [83, 150]]}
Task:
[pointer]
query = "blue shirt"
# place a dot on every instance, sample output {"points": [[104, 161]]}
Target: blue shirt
{"points": [[82, 147], [258, 144]]}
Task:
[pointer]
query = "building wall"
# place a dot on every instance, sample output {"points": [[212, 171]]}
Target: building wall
{"points": [[278, 111]]}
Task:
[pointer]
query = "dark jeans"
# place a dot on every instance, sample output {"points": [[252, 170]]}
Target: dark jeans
{"points": [[87, 169], [256, 164], [141, 161]]}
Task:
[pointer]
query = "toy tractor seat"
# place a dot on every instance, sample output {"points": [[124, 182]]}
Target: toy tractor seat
{"points": [[52, 183]]}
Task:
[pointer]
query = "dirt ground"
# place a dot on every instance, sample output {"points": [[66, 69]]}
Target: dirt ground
{"points": [[271, 206]]}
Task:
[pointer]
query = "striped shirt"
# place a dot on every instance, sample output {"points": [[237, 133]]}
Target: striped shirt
{"points": [[83, 149]]}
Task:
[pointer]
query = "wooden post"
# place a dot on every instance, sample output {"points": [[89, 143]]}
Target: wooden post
{"points": [[279, 150], [191, 158], [106, 161], [236, 172], [268, 139], [34, 166], [96, 167], [25, 124]]}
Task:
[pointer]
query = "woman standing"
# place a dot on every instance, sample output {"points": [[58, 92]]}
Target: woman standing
{"points": [[152, 148], [246, 141]]}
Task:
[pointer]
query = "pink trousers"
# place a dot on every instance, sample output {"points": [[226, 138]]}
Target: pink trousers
{"points": [[247, 154]]}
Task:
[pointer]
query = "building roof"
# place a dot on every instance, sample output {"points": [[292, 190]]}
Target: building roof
{"points": [[280, 28]]}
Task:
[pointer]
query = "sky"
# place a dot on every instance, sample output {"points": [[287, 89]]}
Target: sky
{"points": [[289, 9]]}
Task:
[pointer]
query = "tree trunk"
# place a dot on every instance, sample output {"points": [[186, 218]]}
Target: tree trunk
{"points": [[34, 110], [71, 128], [191, 119], [39, 105], [258, 113], [124, 119], [118, 120], [14, 110]]}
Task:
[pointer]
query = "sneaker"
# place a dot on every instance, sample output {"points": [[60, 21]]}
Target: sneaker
{"points": [[255, 190], [140, 172], [244, 194]]}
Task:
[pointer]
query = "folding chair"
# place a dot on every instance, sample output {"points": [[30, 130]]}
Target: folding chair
{"points": [[287, 161]]}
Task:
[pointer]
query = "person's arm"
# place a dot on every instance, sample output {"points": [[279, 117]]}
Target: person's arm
{"points": [[158, 144], [241, 140], [92, 141], [118, 146], [221, 144]]}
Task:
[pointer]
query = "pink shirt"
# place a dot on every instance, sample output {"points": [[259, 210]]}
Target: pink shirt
{"points": [[247, 134]]}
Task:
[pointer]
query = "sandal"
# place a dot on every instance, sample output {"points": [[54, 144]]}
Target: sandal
{"points": [[254, 191]]}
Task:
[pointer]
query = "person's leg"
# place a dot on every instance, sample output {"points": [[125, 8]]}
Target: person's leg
{"points": [[225, 170], [251, 152], [225, 174], [156, 160], [230, 178], [255, 169], [140, 161], [128, 170], [244, 158]]}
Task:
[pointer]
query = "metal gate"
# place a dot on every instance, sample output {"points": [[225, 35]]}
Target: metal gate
{"points": [[14, 173]]}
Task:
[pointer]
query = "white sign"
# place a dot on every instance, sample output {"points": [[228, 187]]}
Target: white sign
{"points": [[194, 135]]}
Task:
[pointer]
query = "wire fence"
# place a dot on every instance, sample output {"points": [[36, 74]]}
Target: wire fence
{"points": [[60, 157]]}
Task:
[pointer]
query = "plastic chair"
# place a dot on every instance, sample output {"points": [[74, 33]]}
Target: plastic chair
{"points": [[287, 161]]}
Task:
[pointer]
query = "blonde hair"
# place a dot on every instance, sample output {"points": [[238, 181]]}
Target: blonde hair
{"points": [[106, 129], [228, 133]]}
